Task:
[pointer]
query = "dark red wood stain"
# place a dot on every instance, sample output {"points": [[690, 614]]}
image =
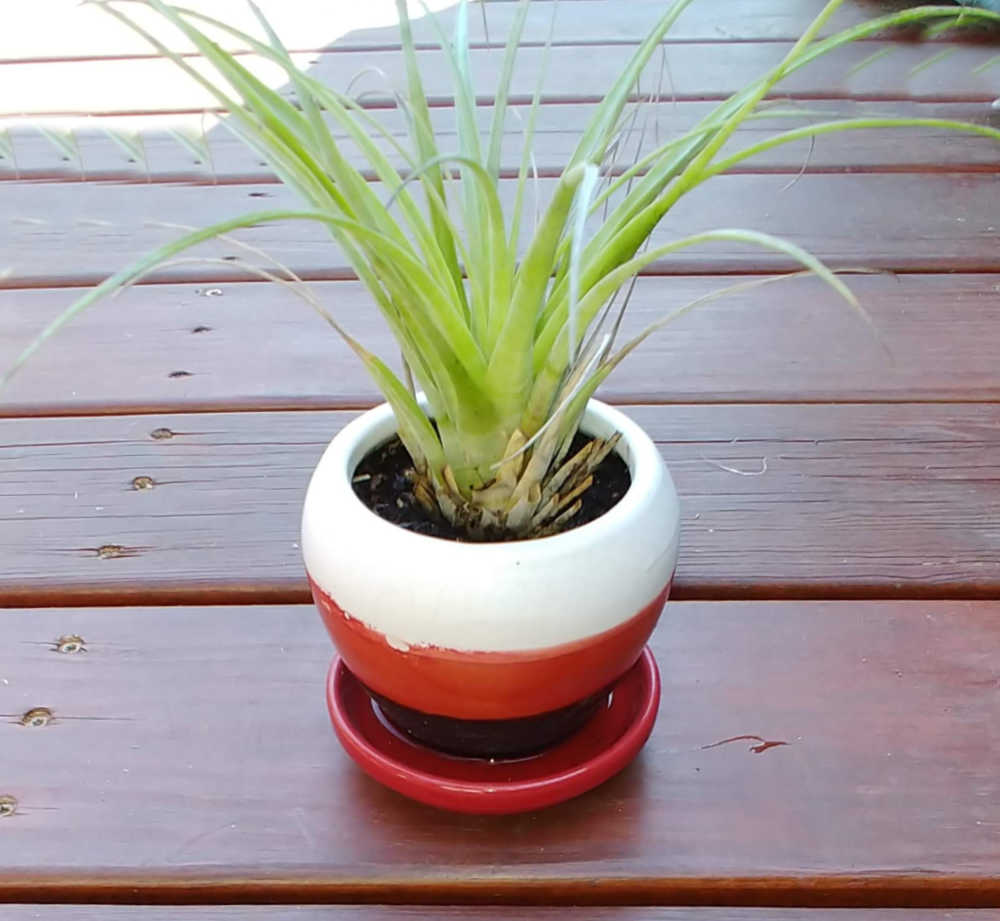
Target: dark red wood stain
{"points": [[219, 720], [810, 756]]}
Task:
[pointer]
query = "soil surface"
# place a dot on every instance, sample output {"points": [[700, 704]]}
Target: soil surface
{"points": [[380, 482]]}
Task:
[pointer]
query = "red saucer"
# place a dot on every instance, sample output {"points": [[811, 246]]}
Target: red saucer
{"points": [[608, 742]]}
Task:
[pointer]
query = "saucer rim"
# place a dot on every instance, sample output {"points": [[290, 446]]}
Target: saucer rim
{"points": [[504, 797]]}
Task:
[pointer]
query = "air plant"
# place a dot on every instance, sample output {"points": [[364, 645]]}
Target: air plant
{"points": [[506, 343]]}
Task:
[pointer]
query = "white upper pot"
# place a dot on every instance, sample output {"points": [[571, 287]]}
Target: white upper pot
{"points": [[418, 591]]}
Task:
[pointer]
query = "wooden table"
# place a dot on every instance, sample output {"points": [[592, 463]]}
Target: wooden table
{"points": [[838, 582]]}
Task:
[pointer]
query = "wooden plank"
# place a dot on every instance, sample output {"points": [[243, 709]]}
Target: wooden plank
{"points": [[81, 32], [944, 72], [61, 234], [558, 130], [170, 348], [117, 912], [84, 32], [588, 22], [206, 728], [821, 501]]}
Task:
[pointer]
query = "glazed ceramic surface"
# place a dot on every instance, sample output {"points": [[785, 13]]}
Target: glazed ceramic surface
{"points": [[490, 631], [598, 751]]}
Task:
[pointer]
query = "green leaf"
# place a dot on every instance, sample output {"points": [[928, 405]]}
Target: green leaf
{"points": [[64, 140], [130, 143], [509, 375], [193, 141], [499, 121], [597, 135], [424, 142], [849, 124], [7, 149], [554, 360]]}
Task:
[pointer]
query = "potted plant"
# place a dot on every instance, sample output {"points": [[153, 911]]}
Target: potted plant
{"points": [[491, 548]]}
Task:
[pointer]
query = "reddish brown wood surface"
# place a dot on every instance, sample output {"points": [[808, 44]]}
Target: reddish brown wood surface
{"points": [[777, 501], [471, 913], [184, 347], [303, 26], [77, 233], [189, 756], [588, 22], [557, 133], [870, 70], [704, 70]]}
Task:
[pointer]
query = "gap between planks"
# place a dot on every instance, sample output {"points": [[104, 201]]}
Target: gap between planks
{"points": [[693, 269], [436, 101], [294, 591], [362, 403], [251, 886], [78, 912]]}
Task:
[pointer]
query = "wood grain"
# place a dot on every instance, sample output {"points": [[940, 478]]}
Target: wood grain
{"points": [[77, 233], [190, 758], [82, 32], [943, 72], [558, 130], [189, 761], [822, 501], [169, 348], [589, 22], [469, 913]]}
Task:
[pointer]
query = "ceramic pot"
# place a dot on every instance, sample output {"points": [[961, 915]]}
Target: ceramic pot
{"points": [[490, 648]]}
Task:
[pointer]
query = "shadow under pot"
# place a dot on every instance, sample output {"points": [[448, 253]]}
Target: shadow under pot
{"points": [[491, 650]]}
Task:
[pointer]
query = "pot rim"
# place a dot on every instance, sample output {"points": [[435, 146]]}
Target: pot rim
{"points": [[376, 426]]}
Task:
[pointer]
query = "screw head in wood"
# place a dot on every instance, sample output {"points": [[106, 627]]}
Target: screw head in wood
{"points": [[37, 717], [70, 644]]}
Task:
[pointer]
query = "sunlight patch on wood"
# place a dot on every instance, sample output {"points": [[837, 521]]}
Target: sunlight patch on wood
{"points": [[53, 29], [51, 89]]}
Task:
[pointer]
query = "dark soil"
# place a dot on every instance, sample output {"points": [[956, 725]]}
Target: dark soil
{"points": [[380, 482]]}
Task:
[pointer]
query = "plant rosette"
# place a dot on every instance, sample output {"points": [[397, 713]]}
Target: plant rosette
{"points": [[517, 636], [509, 330]]}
